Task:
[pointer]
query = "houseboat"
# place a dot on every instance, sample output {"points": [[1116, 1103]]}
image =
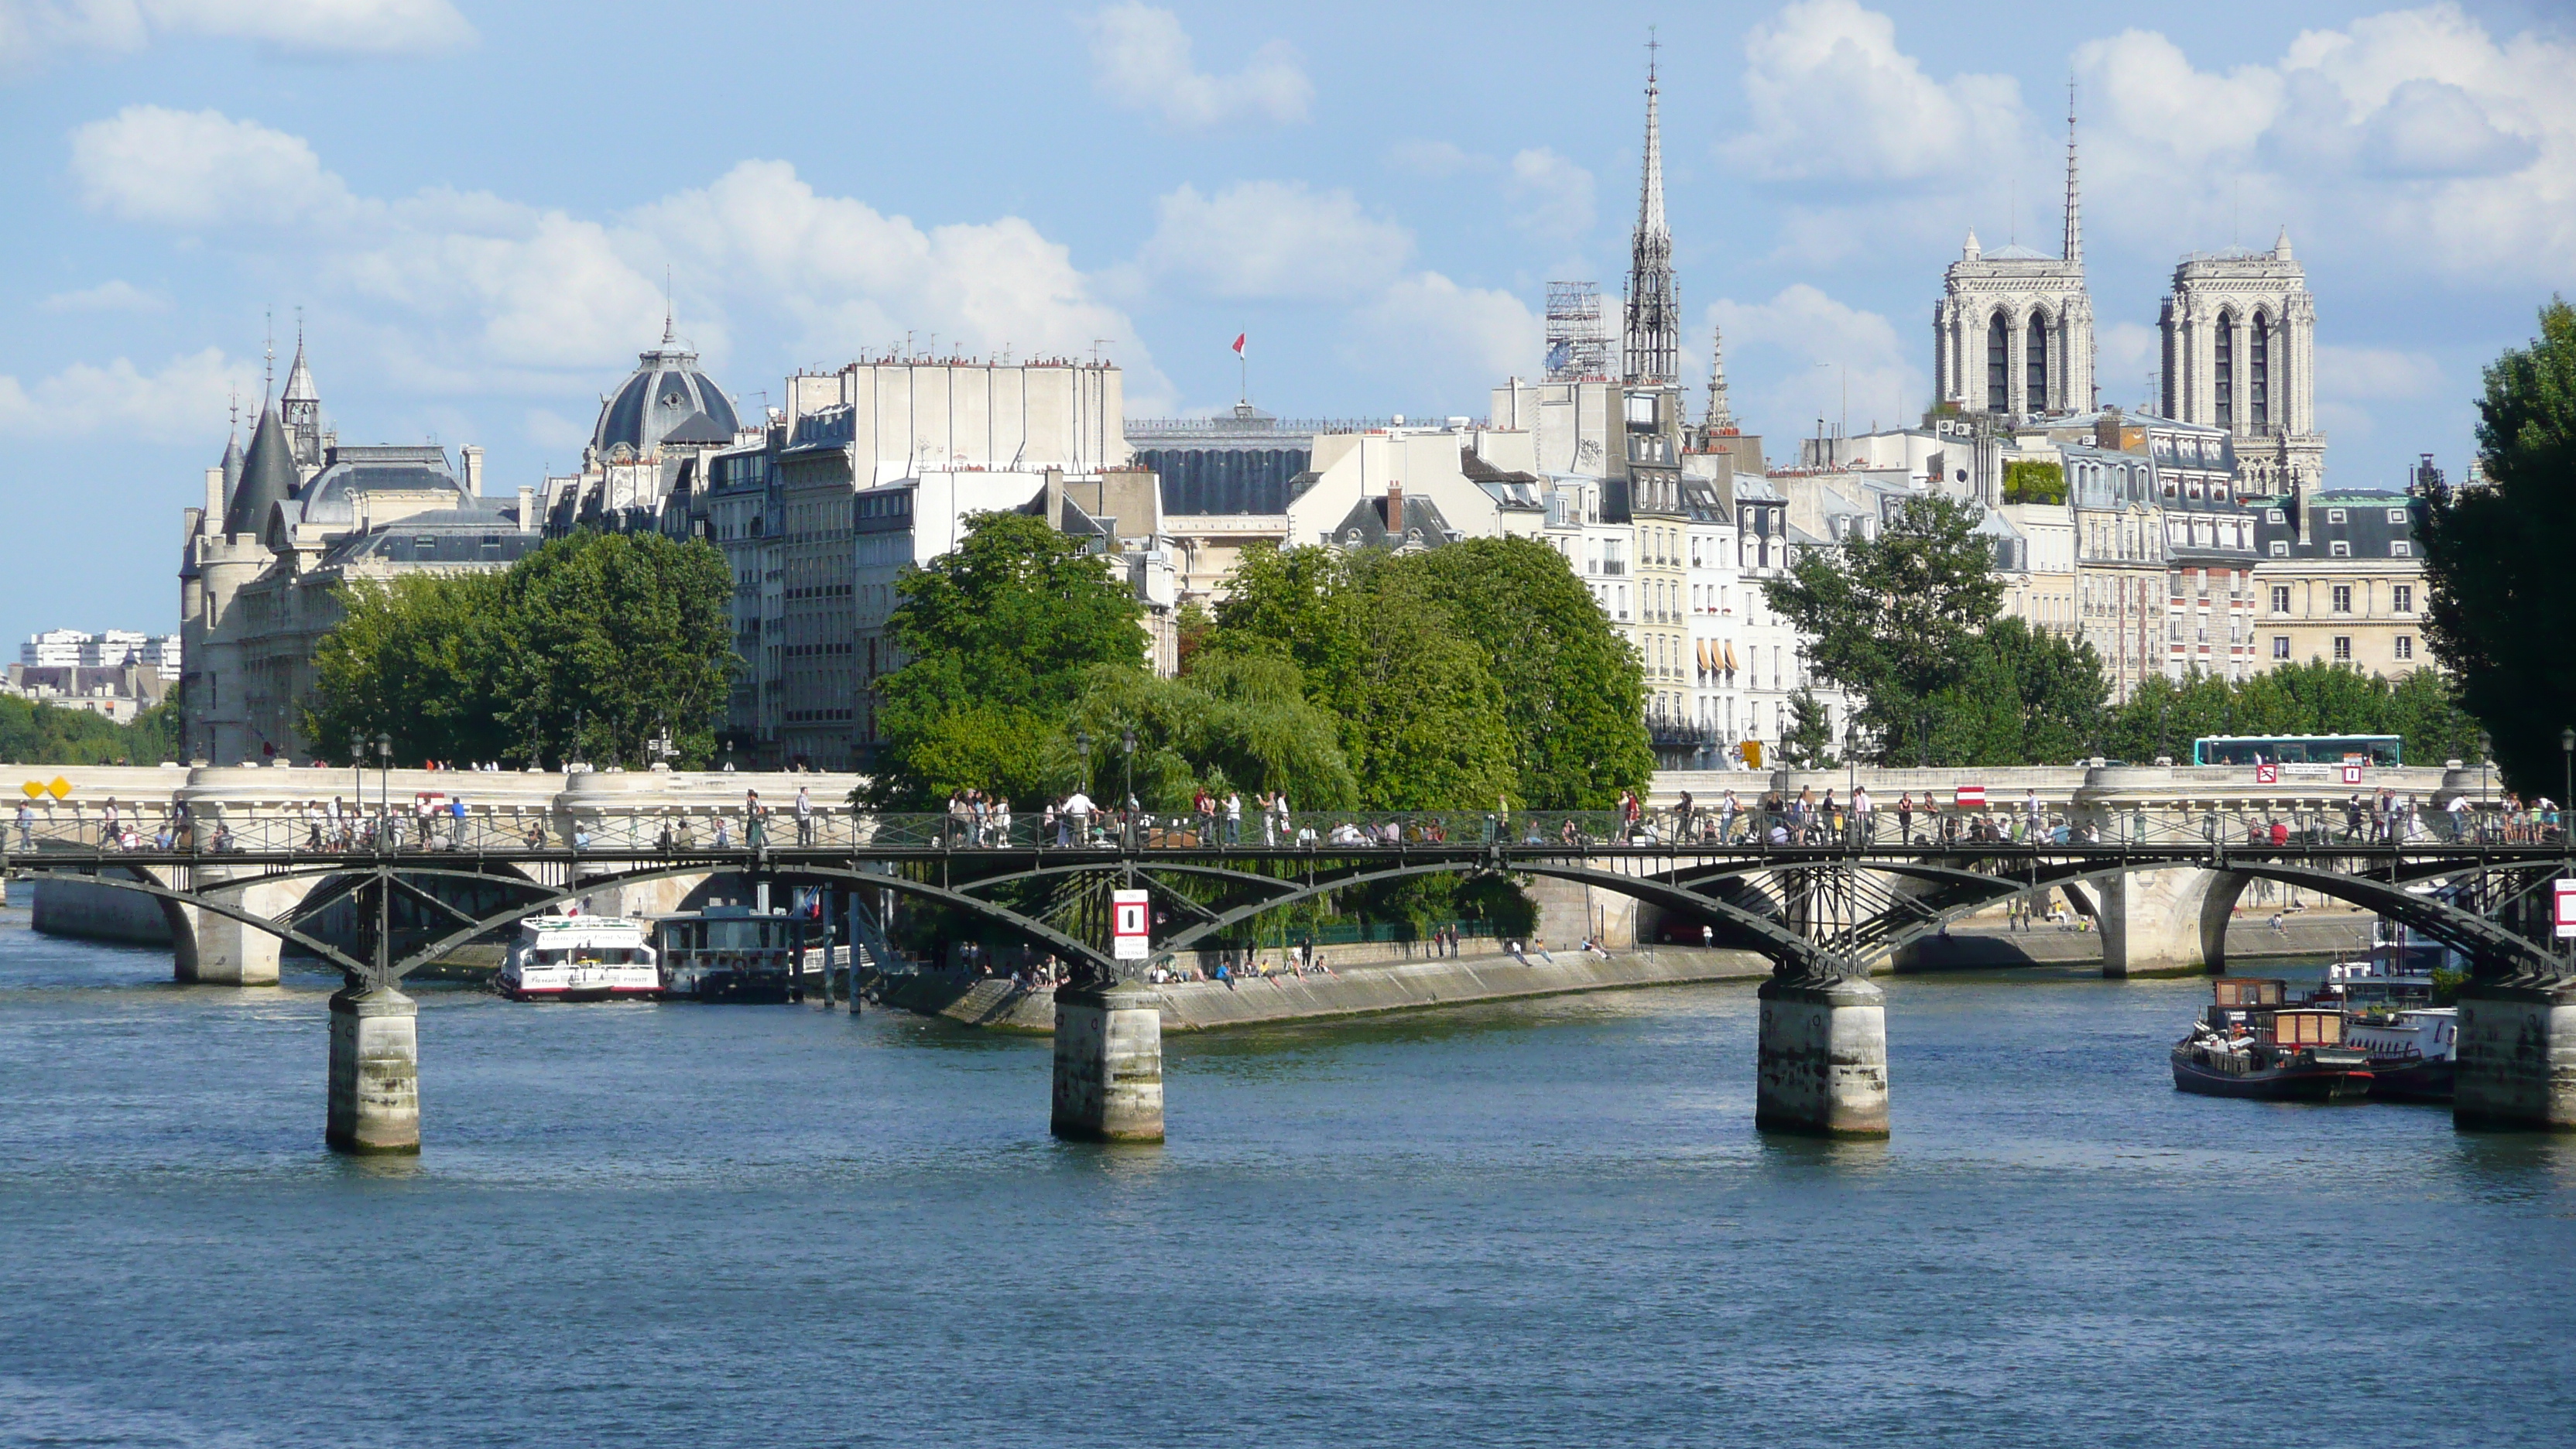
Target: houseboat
{"points": [[580, 958], [2253, 1041], [733, 953], [2412, 1051]]}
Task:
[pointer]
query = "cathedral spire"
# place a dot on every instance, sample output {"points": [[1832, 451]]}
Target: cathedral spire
{"points": [[1653, 342], [1720, 420], [2074, 202]]}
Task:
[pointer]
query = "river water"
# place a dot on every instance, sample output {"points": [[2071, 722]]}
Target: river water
{"points": [[1537, 1224]]}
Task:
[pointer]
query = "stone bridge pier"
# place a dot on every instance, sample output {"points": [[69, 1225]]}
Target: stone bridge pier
{"points": [[2169, 922]]}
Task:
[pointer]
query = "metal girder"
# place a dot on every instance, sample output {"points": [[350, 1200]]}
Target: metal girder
{"points": [[1786, 948]]}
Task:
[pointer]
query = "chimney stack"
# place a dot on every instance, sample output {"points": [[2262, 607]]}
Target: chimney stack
{"points": [[473, 470], [527, 509], [1395, 510]]}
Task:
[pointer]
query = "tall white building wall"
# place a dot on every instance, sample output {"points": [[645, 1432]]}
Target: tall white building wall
{"points": [[941, 415]]}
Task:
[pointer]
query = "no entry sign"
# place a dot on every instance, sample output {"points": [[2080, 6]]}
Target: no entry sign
{"points": [[1131, 923]]}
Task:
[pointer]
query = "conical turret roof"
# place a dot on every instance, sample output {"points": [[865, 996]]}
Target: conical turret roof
{"points": [[299, 379], [267, 476], [232, 464]]}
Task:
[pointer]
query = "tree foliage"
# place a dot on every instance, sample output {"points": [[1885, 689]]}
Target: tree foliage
{"points": [[1229, 722], [2501, 598], [591, 646], [1891, 618], [35, 733], [1573, 690], [1001, 635], [1808, 742], [1455, 683], [2162, 717]]}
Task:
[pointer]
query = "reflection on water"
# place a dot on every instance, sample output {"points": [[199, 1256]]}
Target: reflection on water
{"points": [[1541, 1223]]}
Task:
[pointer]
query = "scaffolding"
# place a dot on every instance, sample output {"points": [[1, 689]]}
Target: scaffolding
{"points": [[1578, 345]]}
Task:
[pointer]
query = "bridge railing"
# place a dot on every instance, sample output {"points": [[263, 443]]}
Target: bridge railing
{"points": [[669, 831]]}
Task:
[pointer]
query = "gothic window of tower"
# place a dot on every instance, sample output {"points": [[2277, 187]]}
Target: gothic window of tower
{"points": [[2258, 373], [2035, 396], [1999, 363], [2223, 372]]}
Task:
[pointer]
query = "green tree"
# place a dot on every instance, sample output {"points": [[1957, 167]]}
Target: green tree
{"points": [[1420, 714], [625, 634], [416, 658], [1808, 744], [33, 733], [610, 639], [2501, 600], [2162, 717], [1239, 722], [1573, 690], [1889, 618], [1001, 636]]}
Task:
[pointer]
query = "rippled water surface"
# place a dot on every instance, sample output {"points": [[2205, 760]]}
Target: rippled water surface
{"points": [[1542, 1224]]}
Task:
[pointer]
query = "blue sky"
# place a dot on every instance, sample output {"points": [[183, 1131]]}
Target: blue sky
{"points": [[474, 206]]}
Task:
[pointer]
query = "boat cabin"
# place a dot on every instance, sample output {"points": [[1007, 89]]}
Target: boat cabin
{"points": [[732, 953]]}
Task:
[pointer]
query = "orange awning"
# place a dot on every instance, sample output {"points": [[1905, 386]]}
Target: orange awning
{"points": [[1730, 657]]}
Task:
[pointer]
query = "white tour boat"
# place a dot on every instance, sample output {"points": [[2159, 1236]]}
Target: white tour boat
{"points": [[581, 958]]}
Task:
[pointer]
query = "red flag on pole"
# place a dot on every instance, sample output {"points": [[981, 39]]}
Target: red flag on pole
{"points": [[1238, 343]]}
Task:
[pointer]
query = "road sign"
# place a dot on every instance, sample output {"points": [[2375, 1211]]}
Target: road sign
{"points": [[1972, 797], [2352, 774], [35, 789], [2563, 902], [1131, 921], [2267, 774]]}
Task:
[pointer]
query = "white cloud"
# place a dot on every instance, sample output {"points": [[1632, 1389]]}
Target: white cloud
{"points": [[31, 29], [200, 169], [863, 276], [1833, 97], [1140, 58], [1274, 239], [2416, 129], [114, 295], [1441, 340], [1554, 196], [2376, 374], [490, 294], [1821, 356], [170, 405]]}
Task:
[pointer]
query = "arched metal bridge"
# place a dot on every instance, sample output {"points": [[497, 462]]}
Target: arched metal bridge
{"points": [[1817, 905]]}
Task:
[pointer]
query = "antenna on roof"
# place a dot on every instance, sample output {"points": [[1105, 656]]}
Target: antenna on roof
{"points": [[668, 332], [268, 372]]}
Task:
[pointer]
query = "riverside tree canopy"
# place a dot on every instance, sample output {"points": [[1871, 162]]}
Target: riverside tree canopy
{"points": [[2501, 599], [1458, 678], [589, 647]]}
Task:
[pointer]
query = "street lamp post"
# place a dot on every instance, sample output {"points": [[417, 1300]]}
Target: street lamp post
{"points": [[1127, 746], [2486, 754], [384, 789], [1082, 748], [2567, 753]]}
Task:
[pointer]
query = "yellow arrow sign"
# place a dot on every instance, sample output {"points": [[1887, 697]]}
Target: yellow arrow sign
{"points": [[60, 789]]}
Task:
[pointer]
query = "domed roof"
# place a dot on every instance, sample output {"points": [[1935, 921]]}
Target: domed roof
{"points": [[665, 390]]}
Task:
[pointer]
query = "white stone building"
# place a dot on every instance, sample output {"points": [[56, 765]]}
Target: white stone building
{"points": [[2239, 332], [2013, 331]]}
